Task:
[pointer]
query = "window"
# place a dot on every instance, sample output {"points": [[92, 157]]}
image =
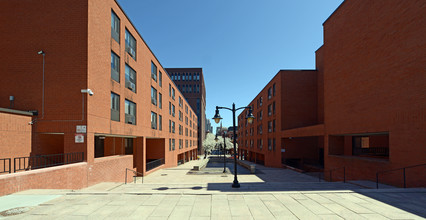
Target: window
{"points": [[173, 93], [130, 44], [173, 144], [170, 90], [269, 93], [273, 144], [130, 112], [186, 132], [186, 120], [180, 101], [115, 107], [115, 67], [170, 144], [115, 27], [170, 108], [273, 108], [153, 120], [273, 125], [269, 144], [186, 143], [259, 129], [180, 116], [130, 76], [160, 100], [160, 79], [198, 106], [180, 143], [170, 126], [270, 109], [173, 110], [173, 127], [153, 96], [160, 123], [273, 89], [153, 71], [260, 101], [186, 109], [261, 144], [180, 129]]}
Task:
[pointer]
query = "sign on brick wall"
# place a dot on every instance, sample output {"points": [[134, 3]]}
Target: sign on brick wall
{"points": [[81, 129], [79, 138]]}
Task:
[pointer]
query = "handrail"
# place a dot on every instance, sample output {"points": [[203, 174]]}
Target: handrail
{"points": [[331, 172], [403, 173], [43, 161], [4, 165], [135, 173]]}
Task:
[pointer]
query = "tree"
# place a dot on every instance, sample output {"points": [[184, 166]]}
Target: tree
{"points": [[209, 143]]}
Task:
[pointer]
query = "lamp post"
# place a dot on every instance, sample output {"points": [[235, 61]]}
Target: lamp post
{"points": [[249, 118], [224, 152]]}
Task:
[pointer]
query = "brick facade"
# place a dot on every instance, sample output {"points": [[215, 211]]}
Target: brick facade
{"points": [[77, 56]]}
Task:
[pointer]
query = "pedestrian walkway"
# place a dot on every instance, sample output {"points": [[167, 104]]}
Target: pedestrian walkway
{"points": [[271, 194]]}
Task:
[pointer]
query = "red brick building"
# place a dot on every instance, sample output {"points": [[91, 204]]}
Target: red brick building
{"points": [[190, 82], [366, 111], [88, 72]]}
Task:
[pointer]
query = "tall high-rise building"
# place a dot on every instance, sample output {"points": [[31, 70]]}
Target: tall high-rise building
{"points": [[190, 81]]}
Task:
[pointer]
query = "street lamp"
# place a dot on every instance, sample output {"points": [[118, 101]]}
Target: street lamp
{"points": [[224, 152], [249, 118]]}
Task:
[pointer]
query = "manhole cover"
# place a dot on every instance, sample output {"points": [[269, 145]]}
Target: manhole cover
{"points": [[15, 211], [164, 174]]}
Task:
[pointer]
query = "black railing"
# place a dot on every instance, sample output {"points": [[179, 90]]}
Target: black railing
{"points": [[371, 151], [43, 161], [153, 164], [135, 173], [5, 164], [403, 173], [330, 173], [181, 162]]}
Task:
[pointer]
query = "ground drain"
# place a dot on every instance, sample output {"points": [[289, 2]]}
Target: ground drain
{"points": [[15, 211]]}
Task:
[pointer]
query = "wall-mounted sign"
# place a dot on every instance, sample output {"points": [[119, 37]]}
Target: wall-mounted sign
{"points": [[282, 150], [81, 129], [79, 138]]}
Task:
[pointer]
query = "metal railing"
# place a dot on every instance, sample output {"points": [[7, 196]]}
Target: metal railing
{"points": [[181, 162], [153, 164], [135, 173], [43, 161], [403, 173], [331, 174], [5, 164], [371, 151]]}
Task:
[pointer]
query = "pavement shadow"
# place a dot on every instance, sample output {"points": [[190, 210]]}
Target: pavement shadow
{"points": [[410, 201], [280, 187]]}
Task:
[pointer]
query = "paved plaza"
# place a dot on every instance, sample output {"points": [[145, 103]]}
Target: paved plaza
{"points": [[175, 194]]}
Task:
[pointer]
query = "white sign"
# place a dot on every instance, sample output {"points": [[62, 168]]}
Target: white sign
{"points": [[81, 129], [79, 138], [282, 150]]}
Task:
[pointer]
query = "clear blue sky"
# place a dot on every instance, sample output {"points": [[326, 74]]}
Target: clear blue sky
{"points": [[240, 44]]}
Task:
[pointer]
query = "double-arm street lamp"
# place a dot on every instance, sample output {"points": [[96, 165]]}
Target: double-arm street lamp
{"points": [[224, 149], [249, 118]]}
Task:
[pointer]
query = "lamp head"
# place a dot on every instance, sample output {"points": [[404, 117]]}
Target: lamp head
{"points": [[250, 116], [217, 117]]}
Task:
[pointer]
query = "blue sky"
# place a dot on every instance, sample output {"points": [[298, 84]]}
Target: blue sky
{"points": [[240, 44]]}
